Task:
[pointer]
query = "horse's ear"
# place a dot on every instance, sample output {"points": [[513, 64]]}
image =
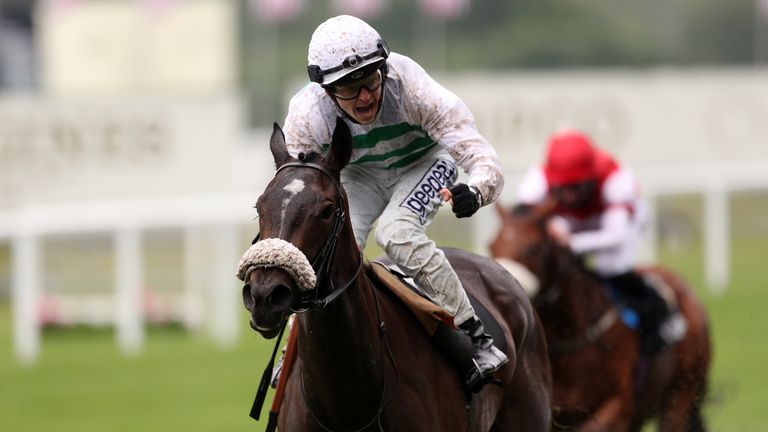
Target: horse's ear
{"points": [[500, 210], [543, 211], [341, 146], [277, 146]]}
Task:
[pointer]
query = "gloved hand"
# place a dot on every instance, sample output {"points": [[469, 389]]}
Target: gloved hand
{"points": [[466, 201]]}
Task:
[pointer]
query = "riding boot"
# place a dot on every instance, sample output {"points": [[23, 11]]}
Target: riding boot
{"points": [[486, 357], [659, 326]]}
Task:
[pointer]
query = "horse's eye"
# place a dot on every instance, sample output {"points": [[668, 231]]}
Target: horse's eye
{"points": [[327, 212]]}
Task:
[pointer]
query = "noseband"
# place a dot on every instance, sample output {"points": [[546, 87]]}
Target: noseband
{"points": [[322, 264]]}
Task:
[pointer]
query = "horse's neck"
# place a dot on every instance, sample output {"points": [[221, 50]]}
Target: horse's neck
{"points": [[582, 300], [340, 350]]}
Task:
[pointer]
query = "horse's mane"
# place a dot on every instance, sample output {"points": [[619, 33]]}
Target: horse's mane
{"points": [[577, 261]]}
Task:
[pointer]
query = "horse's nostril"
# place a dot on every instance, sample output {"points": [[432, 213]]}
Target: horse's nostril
{"points": [[280, 297], [248, 300]]}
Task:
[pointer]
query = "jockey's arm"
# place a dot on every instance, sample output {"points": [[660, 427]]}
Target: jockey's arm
{"points": [[620, 193], [448, 121], [615, 225]]}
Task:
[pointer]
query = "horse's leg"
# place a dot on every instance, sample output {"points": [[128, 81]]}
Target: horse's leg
{"points": [[614, 416], [683, 408], [616, 412]]}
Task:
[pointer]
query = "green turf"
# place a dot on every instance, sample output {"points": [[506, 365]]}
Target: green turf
{"points": [[738, 382], [82, 383]]}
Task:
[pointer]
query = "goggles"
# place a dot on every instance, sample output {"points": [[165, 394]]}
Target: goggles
{"points": [[352, 90], [580, 188], [316, 74]]}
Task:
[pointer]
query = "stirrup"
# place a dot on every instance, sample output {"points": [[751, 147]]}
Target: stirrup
{"points": [[490, 361]]}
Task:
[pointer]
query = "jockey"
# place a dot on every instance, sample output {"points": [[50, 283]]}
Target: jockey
{"points": [[600, 214], [409, 135]]}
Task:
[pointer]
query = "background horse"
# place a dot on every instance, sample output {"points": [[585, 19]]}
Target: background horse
{"points": [[598, 385], [363, 361]]}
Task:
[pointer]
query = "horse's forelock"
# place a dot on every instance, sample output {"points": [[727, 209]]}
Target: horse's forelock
{"points": [[521, 210], [312, 156]]}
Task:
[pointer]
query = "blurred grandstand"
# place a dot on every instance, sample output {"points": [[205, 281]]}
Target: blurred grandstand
{"points": [[133, 143]]}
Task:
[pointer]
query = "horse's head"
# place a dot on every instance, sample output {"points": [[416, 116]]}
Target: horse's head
{"points": [[522, 234], [522, 244], [301, 215]]}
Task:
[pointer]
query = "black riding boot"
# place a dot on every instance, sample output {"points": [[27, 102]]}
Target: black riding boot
{"points": [[659, 326], [486, 357]]}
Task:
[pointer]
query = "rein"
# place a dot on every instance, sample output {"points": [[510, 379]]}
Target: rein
{"points": [[588, 337]]}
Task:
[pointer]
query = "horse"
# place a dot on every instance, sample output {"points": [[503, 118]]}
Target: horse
{"points": [[363, 362], [599, 382]]}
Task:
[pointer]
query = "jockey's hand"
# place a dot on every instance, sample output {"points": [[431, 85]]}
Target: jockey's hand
{"points": [[559, 232], [465, 200]]}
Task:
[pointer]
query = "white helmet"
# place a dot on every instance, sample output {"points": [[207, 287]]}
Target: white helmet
{"points": [[341, 46]]}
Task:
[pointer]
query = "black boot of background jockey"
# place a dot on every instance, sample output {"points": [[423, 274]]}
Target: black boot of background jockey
{"points": [[486, 357], [659, 326]]}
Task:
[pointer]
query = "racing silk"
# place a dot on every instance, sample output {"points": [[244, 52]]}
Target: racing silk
{"points": [[609, 221], [418, 119]]}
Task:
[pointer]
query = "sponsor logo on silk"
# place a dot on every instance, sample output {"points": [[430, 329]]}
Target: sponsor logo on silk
{"points": [[424, 196]]}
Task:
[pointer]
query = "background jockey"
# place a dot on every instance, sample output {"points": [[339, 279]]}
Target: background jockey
{"points": [[600, 214], [409, 135]]}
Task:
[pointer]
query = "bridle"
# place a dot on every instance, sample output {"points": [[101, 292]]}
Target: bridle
{"points": [[323, 262], [322, 265]]}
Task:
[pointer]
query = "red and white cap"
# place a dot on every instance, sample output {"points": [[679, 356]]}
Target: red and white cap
{"points": [[570, 158]]}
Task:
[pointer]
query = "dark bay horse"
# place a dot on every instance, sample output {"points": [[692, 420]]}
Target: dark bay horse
{"points": [[597, 384], [363, 361]]}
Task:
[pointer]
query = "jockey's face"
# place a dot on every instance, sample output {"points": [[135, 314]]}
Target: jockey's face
{"points": [[575, 195], [360, 98]]}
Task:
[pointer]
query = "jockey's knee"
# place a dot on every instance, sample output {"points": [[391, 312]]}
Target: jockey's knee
{"points": [[406, 244]]}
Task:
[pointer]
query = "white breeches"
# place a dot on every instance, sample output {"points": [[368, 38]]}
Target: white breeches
{"points": [[405, 201]]}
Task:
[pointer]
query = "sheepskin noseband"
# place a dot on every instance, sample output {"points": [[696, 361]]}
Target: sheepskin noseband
{"points": [[275, 252]]}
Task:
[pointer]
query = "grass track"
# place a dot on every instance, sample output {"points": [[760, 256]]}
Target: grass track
{"points": [[182, 382]]}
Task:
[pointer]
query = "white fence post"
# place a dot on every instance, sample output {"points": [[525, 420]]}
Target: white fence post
{"points": [[649, 250], [194, 276], [225, 322], [717, 251], [26, 269], [129, 296]]}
